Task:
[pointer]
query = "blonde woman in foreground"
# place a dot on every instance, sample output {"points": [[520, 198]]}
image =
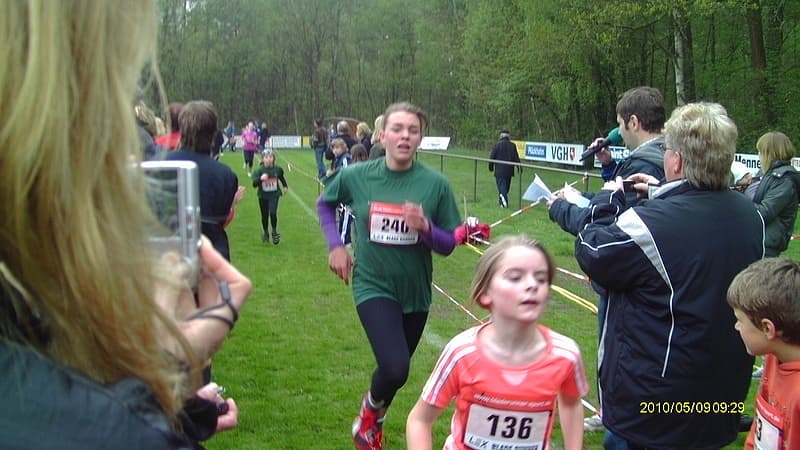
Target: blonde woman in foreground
{"points": [[91, 357], [506, 376]]}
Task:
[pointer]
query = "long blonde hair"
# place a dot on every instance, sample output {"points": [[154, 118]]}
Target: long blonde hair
{"points": [[73, 221]]}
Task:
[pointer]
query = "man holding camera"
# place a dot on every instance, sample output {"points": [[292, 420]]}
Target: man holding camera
{"points": [[673, 372]]}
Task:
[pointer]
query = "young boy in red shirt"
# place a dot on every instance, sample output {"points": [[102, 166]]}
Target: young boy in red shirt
{"points": [[765, 298]]}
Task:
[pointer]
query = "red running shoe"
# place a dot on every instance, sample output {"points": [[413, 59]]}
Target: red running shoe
{"points": [[368, 427]]}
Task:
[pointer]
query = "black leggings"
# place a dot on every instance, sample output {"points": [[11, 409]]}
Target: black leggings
{"points": [[269, 210], [394, 337], [248, 159]]}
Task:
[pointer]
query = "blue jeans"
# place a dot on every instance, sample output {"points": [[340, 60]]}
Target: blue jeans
{"points": [[319, 154], [502, 187], [613, 442]]}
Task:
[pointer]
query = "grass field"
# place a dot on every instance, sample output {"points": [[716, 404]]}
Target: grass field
{"points": [[298, 362]]}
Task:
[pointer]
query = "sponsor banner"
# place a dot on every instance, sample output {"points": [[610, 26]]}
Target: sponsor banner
{"points": [[617, 152], [553, 152], [434, 143], [570, 154], [285, 141], [752, 162]]}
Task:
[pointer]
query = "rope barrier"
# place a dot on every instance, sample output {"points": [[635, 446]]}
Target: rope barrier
{"points": [[449, 297], [514, 214], [575, 298]]}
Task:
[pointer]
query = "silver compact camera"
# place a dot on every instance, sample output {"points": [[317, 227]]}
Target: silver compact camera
{"points": [[173, 194]]}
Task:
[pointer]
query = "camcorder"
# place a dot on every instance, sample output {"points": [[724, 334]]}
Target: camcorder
{"points": [[627, 186], [173, 194]]}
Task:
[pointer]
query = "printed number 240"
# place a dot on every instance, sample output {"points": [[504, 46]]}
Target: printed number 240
{"points": [[512, 428], [396, 225]]}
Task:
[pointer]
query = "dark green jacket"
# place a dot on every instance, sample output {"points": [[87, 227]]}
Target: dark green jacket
{"points": [[275, 173], [776, 199]]}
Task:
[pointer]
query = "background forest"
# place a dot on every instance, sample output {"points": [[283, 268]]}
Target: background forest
{"points": [[548, 70]]}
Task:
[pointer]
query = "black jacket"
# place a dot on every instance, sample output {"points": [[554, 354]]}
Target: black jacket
{"points": [[503, 150], [218, 186], [49, 406], [776, 199], [668, 334]]}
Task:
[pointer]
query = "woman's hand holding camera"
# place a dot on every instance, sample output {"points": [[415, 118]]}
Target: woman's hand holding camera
{"points": [[206, 319]]}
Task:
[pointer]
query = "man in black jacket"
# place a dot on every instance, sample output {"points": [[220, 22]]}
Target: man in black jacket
{"points": [[218, 183], [673, 373], [503, 150]]}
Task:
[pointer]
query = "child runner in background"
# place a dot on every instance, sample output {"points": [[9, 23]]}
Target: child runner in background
{"points": [[404, 211], [249, 146], [266, 179], [765, 298], [508, 375]]}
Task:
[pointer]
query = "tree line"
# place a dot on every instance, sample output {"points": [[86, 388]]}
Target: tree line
{"points": [[548, 70]]}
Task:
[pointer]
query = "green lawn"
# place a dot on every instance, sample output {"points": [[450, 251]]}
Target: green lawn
{"points": [[297, 362]]}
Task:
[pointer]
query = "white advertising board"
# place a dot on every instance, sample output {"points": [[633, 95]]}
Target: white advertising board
{"points": [[286, 141], [434, 143]]}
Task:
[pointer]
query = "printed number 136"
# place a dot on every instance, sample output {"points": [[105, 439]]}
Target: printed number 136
{"points": [[512, 427]]}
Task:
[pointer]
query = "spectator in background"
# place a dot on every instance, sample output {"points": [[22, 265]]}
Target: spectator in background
{"points": [[96, 348], [170, 141], [217, 144], [503, 150], [218, 183], [777, 194], [343, 132], [146, 122], [319, 142], [342, 159], [377, 150], [364, 135], [665, 266], [359, 153], [263, 137], [230, 134]]}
